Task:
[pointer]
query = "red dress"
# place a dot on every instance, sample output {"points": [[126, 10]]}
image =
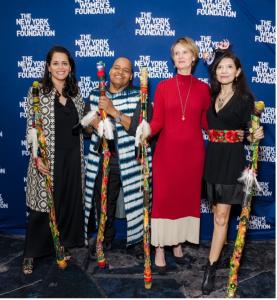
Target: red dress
{"points": [[178, 160]]}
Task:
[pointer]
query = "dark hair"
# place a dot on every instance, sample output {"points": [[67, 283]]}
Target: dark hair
{"points": [[71, 85], [240, 86]]}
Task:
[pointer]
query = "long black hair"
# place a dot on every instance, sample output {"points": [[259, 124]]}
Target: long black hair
{"points": [[71, 85], [240, 86]]}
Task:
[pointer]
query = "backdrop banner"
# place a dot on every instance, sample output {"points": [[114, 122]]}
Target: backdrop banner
{"points": [[142, 30]]}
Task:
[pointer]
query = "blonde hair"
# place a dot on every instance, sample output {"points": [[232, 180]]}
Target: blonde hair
{"points": [[188, 42]]}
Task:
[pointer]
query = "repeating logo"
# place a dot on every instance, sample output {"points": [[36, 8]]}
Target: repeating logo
{"points": [[269, 115], [33, 26], [24, 151], [264, 191], [89, 47], [30, 68], [206, 44], [264, 73], [23, 107], [149, 26], [86, 85], [1, 133], [2, 171], [205, 207], [25, 183], [267, 32], [266, 153], [94, 7], [257, 223], [216, 8], [204, 79], [2, 202], [156, 68]]}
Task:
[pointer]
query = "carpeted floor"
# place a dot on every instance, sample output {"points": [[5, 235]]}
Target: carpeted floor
{"points": [[124, 277]]}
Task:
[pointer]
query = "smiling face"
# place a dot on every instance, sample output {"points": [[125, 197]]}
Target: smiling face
{"points": [[120, 74], [183, 58], [226, 71], [59, 67]]}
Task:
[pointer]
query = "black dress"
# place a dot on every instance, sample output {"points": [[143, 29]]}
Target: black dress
{"points": [[67, 190], [226, 161]]}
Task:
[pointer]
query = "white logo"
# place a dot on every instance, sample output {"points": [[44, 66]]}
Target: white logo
{"points": [[217, 8], [266, 153], [33, 27], [90, 47], [2, 171], [206, 44], [86, 85], [204, 79], [267, 32], [268, 115], [1, 133], [256, 222], [205, 135], [25, 151], [23, 106], [265, 191], [2, 203], [25, 182], [264, 74], [30, 68], [156, 68], [205, 207], [153, 26], [94, 7]]}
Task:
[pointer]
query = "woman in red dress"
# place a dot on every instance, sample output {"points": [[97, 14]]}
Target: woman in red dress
{"points": [[180, 107]]}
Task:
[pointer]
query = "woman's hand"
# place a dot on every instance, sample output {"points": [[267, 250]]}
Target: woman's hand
{"points": [[107, 105], [256, 135], [43, 169]]}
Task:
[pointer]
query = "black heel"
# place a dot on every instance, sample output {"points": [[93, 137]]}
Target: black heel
{"points": [[209, 278]]}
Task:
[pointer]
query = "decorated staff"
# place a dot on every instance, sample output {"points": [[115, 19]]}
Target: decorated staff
{"points": [[105, 130], [250, 182], [141, 152], [37, 138]]}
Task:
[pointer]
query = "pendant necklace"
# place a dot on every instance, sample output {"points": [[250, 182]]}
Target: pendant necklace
{"points": [[184, 106]]}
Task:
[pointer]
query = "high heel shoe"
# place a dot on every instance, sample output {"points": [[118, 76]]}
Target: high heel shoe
{"points": [[209, 278], [161, 270]]}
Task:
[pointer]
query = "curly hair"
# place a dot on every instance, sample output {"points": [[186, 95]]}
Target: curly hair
{"points": [[240, 86], [71, 85]]}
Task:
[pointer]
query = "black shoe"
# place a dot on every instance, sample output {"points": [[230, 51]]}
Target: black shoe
{"points": [[209, 278], [161, 270], [186, 259], [137, 251]]}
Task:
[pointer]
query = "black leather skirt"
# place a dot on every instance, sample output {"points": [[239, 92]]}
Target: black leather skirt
{"points": [[224, 193]]}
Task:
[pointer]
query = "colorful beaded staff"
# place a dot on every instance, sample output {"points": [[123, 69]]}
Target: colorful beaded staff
{"points": [[41, 152], [145, 170], [101, 261], [250, 181]]}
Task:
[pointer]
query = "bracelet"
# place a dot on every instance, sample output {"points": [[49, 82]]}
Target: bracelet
{"points": [[118, 119]]}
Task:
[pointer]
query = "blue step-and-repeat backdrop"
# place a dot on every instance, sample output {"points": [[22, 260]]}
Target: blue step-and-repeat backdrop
{"points": [[142, 30]]}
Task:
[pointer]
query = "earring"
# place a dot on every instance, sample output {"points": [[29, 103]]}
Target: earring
{"points": [[236, 79], [69, 75], [49, 75]]}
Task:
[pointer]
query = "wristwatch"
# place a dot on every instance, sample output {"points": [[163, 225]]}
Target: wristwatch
{"points": [[118, 119]]}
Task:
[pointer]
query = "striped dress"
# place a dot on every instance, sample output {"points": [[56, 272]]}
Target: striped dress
{"points": [[125, 101]]}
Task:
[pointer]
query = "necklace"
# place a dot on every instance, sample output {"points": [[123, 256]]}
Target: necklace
{"points": [[222, 99], [184, 107]]}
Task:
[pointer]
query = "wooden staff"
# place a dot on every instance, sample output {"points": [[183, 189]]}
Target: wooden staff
{"points": [[250, 181], [105, 177], [142, 157], [41, 152]]}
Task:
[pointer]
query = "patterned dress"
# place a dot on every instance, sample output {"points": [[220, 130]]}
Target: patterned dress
{"points": [[125, 101]]}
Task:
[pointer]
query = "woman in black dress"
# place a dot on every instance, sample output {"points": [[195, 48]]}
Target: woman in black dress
{"points": [[230, 111], [61, 106]]}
